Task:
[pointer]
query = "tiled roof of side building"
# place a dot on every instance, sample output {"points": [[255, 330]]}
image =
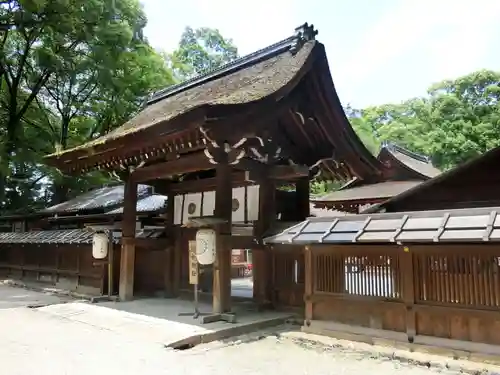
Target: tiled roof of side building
{"points": [[67, 236], [381, 190], [103, 198], [152, 203]]}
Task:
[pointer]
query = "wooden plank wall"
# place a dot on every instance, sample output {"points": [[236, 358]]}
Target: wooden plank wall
{"points": [[68, 267], [288, 277], [71, 267], [150, 266]]}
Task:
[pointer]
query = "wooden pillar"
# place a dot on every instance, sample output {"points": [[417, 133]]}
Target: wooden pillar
{"points": [[177, 261], [408, 290], [302, 198], [262, 259], [308, 287], [222, 265], [169, 251], [127, 259]]}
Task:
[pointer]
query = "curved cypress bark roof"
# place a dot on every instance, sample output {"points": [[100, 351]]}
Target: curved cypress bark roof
{"points": [[406, 171], [242, 87], [420, 166], [293, 73], [472, 184]]}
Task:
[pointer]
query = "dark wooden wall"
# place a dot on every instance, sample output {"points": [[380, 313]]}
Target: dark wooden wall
{"points": [[288, 277], [475, 185], [69, 267], [150, 271]]}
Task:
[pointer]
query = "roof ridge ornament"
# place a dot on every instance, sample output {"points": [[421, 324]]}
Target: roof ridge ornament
{"points": [[304, 33]]}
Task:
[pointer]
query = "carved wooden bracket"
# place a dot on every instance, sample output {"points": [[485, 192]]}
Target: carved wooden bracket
{"points": [[315, 172], [262, 149]]}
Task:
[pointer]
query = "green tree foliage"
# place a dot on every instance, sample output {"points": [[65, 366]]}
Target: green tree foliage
{"points": [[458, 120], [200, 50], [466, 117], [69, 71], [97, 96], [320, 188], [363, 129]]}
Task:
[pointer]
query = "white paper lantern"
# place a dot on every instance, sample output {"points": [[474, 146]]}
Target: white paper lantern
{"points": [[100, 246], [205, 246]]}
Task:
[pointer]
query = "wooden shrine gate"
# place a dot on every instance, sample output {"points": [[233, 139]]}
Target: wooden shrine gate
{"points": [[270, 118]]}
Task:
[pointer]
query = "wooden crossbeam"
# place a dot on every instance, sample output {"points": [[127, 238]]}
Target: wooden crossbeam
{"points": [[199, 162], [288, 172], [238, 179], [185, 164], [259, 171]]}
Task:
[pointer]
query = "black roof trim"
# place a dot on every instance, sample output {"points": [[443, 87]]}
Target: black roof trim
{"points": [[394, 147], [302, 34]]}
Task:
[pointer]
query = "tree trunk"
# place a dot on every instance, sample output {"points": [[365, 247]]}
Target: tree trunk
{"points": [[3, 183], [9, 148], [61, 191]]}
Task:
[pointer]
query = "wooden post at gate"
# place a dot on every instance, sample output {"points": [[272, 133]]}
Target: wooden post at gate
{"points": [[262, 259], [127, 256], [222, 265], [302, 198], [170, 250]]}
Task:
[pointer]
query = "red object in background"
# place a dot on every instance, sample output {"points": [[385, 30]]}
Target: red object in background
{"points": [[249, 266]]}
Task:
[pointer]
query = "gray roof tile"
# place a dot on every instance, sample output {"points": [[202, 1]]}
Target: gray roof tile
{"points": [[461, 225], [106, 197], [154, 202], [67, 236]]}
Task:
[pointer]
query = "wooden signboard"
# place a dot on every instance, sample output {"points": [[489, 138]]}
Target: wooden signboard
{"points": [[193, 263], [237, 256]]}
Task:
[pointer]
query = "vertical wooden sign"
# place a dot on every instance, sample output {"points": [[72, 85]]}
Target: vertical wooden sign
{"points": [[193, 263]]}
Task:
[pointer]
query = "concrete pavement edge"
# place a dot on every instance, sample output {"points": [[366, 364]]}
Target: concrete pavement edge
{"points": [[230, 331], [424, 359]]}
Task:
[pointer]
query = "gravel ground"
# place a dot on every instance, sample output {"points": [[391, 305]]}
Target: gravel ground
{"points": [[268, 353], [18, 297], [36, 342]]}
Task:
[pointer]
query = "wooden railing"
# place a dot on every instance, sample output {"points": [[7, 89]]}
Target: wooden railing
{"points": [[471, 280], [288, 277], [371, 275], [445, 292]]}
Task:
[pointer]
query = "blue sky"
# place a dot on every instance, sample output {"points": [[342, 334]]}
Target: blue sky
{"points": [[379, 51]]}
